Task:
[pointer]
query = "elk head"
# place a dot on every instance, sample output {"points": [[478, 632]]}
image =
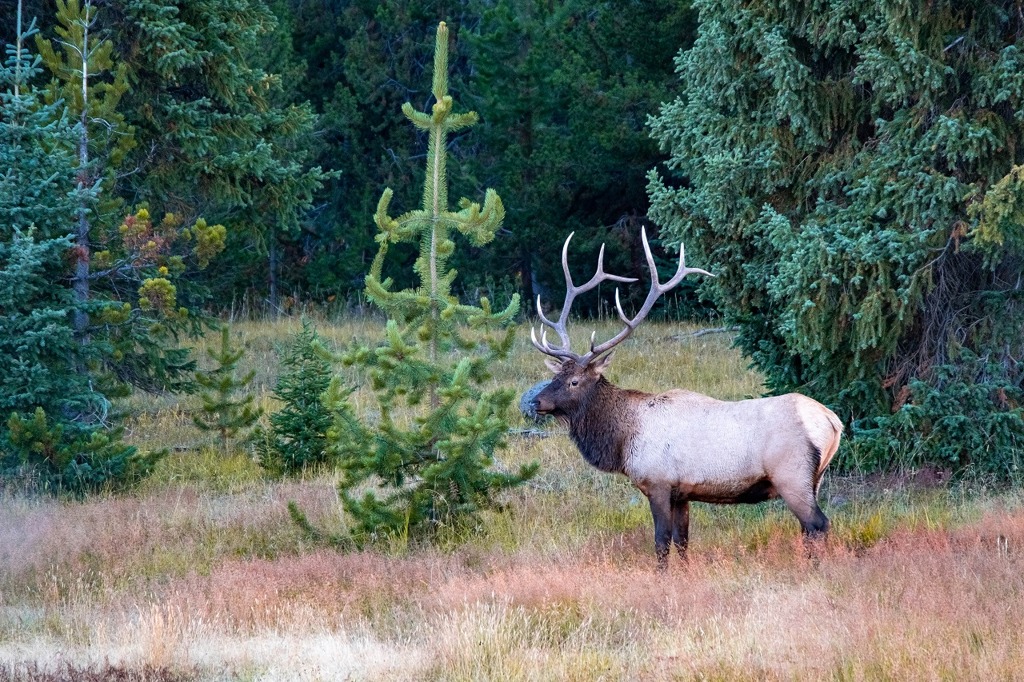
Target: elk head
{"points": [[572, 387], [576, 375]]}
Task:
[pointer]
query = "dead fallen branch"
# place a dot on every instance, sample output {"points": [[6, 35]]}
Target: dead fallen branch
{"points": [[702, 332]]}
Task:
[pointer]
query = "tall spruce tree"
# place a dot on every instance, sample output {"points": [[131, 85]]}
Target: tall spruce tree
{"points": [[89, 85], [38, 204], [56, 433], [216, 131], [428, 459], [126, 271], [853, 176]]}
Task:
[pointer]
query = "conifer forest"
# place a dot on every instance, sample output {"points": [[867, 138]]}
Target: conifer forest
{"points": [[274, 275]]}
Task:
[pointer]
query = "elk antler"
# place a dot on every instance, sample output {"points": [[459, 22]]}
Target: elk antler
{"points": [[657, 289], [571, 291]]}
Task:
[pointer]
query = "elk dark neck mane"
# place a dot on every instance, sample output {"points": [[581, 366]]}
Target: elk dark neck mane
{"points": [[602, 426]]}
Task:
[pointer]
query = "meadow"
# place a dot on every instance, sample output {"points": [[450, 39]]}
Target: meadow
{"points": [[201, 574]]}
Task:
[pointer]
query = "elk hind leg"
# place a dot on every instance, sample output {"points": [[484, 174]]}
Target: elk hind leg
{"points": [[818, 525], [813, 522]]}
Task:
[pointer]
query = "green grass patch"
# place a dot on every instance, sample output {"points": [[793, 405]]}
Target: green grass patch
{"points": [[208, 468]]}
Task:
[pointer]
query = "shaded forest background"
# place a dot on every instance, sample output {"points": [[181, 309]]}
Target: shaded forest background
{"points": [[563, 90]]}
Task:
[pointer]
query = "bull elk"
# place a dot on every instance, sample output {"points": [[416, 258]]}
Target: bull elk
{"points": [[680, 446]]}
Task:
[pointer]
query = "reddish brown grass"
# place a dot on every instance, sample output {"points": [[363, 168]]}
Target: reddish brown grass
{"points": [[921, 604]]}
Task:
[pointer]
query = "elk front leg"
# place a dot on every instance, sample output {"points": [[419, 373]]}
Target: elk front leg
{"points": [[680, 524], [661, 510]]}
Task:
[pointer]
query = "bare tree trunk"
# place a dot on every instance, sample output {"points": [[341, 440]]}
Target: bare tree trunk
{"points": [[80, 279], [529, 278], [272, 258], [17, 52], [438, 175]]}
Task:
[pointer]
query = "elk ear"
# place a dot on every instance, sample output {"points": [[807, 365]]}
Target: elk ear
{"points": [[602, 363], [554, 365]]}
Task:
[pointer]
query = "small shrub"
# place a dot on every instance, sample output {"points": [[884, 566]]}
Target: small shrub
{"points": [[966, 418], [66, 458], [297, 438], [222, 410]]}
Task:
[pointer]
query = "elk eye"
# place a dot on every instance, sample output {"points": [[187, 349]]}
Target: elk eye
{"points": [[575, 382]]}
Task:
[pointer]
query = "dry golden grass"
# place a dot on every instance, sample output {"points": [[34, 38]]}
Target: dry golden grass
{"points": [[201, 574]]}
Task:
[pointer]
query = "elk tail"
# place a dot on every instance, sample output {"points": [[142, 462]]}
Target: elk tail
{"points": [[829, 447]]}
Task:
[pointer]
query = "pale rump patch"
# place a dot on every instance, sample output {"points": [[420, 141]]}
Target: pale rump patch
{"points": [[823, 427]]}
